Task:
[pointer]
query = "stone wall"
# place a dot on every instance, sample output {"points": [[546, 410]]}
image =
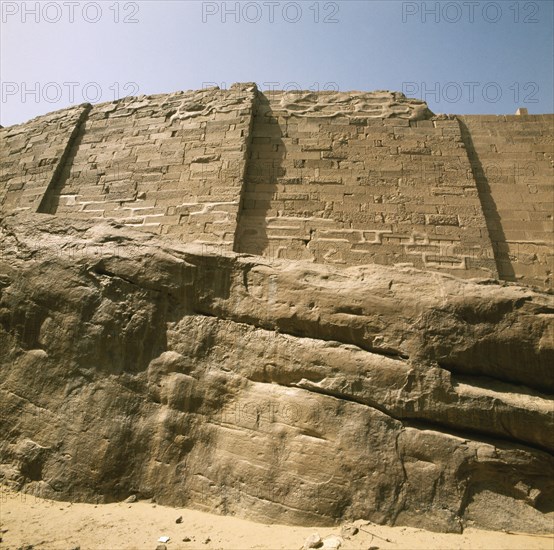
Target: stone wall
{"points": [[32, 156], [351, 187], [513, 164], [340, 178], [172, 164]]}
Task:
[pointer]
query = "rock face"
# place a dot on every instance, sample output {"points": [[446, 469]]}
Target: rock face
{"points": [[133, 364], [283, 306]]}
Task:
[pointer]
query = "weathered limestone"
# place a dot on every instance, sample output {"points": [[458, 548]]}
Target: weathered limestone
{"points": [[349, 188], [282, 391], [171, 164], [513, 162], [33, 155], [343, 178], [255, 304]]}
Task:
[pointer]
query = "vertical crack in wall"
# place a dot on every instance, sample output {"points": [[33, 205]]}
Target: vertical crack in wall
{"points": [[490, 210], [48, 203]]}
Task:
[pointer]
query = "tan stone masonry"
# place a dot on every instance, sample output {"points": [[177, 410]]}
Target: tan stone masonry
{"points": [[341, 178]]}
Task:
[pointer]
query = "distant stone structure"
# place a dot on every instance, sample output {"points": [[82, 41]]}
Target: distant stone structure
{"points": [[340, 178]]}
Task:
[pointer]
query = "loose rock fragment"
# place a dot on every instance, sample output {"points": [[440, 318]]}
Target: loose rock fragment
{"points": [[332, 542], [313, 541]]}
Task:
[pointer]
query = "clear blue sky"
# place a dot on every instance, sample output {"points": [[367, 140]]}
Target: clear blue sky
{"points": [[467, 57]]}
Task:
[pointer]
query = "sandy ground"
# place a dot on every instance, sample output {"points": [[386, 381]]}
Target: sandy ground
{"points": [[45, 524]]}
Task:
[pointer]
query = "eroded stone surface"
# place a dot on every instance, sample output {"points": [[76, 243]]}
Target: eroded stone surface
{"points": [[338, 178], [282, 391]]}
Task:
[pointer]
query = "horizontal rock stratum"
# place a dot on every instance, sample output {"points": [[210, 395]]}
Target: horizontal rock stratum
{"points": [[266, 306]]}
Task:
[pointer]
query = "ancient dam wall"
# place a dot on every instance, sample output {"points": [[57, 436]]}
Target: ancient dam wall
{"points": [[338, 178]]}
